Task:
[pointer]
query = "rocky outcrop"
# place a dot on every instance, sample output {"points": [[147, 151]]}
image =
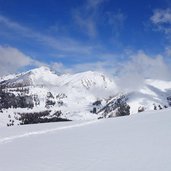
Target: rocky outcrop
{"points": [[116, 106]]}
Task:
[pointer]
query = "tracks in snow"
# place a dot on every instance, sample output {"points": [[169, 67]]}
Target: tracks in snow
{"points": [[28, 134]]}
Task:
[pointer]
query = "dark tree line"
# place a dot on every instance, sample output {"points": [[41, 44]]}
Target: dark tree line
{"points": [[40, 117], [8, 100]]}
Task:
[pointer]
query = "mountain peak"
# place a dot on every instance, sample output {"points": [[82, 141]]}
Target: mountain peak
{"points": [[41, 69]]}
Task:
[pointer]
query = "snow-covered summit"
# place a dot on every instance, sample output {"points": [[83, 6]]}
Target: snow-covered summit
{"points": [[38, 76], [88, 80]]}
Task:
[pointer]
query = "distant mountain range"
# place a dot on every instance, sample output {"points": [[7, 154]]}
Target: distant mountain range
{"points": [[40, 95]]}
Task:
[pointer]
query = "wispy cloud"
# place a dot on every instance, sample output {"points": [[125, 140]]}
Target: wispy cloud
{"points": [[87, 25], [86, 17], [61, 44], [116, 21], [94, 4], [168, 51], [161, 18]]}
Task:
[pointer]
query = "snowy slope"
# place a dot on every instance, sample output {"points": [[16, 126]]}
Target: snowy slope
{"points": [[152, 92], [138, 142]]}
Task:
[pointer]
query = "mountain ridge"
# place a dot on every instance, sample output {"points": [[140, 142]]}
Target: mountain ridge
{"points": [[81, 96]]}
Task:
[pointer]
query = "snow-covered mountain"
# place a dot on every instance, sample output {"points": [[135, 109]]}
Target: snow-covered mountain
{"points": [[40, 95]]}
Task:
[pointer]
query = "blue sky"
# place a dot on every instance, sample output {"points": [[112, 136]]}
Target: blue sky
{"points": [[82, 34]]}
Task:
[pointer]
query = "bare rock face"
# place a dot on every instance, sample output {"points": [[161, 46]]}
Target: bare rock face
{"points": [[116, 106], [169, 100]]}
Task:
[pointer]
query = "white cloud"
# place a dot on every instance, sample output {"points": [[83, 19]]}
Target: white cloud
{"points": [[161, 18], [11, 60], [140, 66]]}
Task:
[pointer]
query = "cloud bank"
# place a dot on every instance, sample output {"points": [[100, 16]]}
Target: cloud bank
{"points": [[140, 66], [12, 60]]}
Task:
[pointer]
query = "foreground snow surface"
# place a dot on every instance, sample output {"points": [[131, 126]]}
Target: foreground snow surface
{"points": [[140, 142]]}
